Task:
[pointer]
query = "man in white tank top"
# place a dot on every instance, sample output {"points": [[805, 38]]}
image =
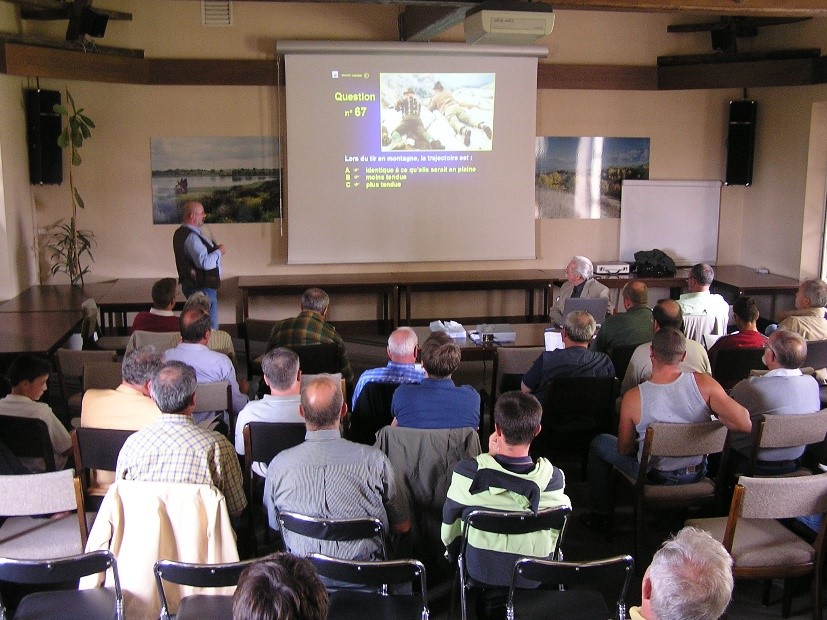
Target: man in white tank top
{"points": [[669, 396]]}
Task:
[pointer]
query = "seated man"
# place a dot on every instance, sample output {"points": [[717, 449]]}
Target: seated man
{"points": [[667, 314], [28, 375], [174, 449], [402, 349], [699, 300], [127, 407], [808, 317], [159, 318], [782, 391], [575, 360], [220, 340], [209, 365], [310, 327], [505, 479], [437, 402], [690, 578], [283, 377], [579, 283], [627, 328], [745, 311], [280, 586], [670, 395], [328, 476]]}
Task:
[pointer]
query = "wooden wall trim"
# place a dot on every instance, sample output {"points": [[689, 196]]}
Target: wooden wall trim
{"points": [[787, 72], [596, 77]]}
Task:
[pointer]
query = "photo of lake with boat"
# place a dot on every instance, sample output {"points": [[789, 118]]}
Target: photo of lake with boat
{"points": [[237, 179]]}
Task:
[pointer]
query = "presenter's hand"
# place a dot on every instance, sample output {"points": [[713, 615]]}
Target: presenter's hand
{"points": [[222, 249]]}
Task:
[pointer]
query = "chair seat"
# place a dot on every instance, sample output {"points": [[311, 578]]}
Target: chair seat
{"points": [[703, 489], [569, 604], [94, 604], [205, 607], [760, 542], [354, 605], [40, 539]]}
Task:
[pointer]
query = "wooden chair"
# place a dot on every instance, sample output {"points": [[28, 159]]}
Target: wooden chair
{"points": [[350, 604], [333, 530], [729, 366], [816, 354], [506, 523], [621, 356], [318, 357], [575, 411], [510, 364], [216, 396], [786, 431], [371, 412], [70, 372], [256, 336], [94, 604], [763, 548], [262, 442], [91, 334], [675, 440], [524, 604], [102, 375], [31, 495], [199, 606], [28, 438], [96, 449], [160, 340]]}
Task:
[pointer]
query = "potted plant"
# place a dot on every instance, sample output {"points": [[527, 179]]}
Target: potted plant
{"points": [[67, 242]]}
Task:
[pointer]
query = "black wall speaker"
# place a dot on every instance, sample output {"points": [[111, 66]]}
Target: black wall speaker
{"points": [[740, 142], [93, 23], [43, 126]]}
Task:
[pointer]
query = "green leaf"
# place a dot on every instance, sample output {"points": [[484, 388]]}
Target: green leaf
{"points": [[85, 131], [60, 109], [87, 120], [77, 140], [63, 139], [78, 199], [76, 158]]}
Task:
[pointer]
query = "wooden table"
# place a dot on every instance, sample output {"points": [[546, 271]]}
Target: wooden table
{"points": [[736, 280], [39, 332], [129, 295], [55, 297]]}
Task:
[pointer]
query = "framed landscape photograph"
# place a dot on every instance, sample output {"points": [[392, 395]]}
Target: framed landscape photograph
{"points": [[237, 179], [582, 178]]}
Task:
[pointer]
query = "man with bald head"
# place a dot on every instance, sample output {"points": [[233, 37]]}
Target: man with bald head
{"points": [[667, 314], [627, 328], [197, 259], [210, 366], [331, 477], [403, 347]]}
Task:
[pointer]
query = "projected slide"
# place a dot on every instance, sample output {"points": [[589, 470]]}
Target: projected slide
{"points": [[399, 153]]}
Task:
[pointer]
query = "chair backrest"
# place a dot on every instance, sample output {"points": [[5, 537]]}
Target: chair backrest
{"points": [[375, 573], [264, 440], [786, 431], [371, 412], [97, 448], [783, 498], [511, 363], [36, 494], [678, 440], [101, 375], [339, 530], [70, 363], [621, 355], [729, 366], [596, 573], [196, 575], [160, 340], [216, 396], [816, 354], [697, 325], [28, 438], [317, 358]]}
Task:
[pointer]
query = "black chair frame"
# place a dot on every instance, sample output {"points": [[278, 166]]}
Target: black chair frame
{"points": [[333, 529], [195, 575]]}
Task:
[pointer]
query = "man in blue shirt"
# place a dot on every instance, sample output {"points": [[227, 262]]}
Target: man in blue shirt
{"points": [[403, 347], [437, 402]]}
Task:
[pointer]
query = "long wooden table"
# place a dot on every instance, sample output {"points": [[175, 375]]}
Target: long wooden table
{"points": [[39, 332]]}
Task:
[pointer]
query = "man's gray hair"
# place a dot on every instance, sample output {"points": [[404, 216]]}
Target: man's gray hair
{"points": [[583, 266], [198, 300], [402, 342], [280, 366], [315, 299], [702, 273], [668, 346], [172, 388], [691, 577], [816, 291], [789, 347], [322, 400], [580, 326], [141, 364]]}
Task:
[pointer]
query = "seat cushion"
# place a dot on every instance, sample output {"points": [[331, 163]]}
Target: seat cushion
{"points": [[95, 604], [40, 539], [351, 605], [703, 489], [569, 604], [205, 607], [760, 542]]}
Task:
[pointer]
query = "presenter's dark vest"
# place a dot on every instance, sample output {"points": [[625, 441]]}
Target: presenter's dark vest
{"points": [[191, 275]]}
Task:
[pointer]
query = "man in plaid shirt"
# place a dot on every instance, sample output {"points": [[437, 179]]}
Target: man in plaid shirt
{"points": [[310, 327]]}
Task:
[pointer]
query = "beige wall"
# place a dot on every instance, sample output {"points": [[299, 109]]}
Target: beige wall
{"points": [[687, 129]]}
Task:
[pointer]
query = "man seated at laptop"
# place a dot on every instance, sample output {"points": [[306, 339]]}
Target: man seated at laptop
{"points": [[579, 283], [575, 360]]}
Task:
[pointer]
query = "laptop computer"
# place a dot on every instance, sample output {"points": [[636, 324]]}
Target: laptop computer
{"points": [[596, 306]]}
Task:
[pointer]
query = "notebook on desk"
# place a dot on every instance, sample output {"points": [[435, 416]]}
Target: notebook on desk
{"points": [[596, 306]]}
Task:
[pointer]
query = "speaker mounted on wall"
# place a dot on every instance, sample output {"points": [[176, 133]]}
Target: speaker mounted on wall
{"points": [[43, 126], [740, 142]]}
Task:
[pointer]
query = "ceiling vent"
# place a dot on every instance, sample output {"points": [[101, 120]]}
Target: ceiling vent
{"points": [[216, 13]]}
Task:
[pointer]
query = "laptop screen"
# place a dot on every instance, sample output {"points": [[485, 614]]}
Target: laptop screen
{"points": [[596, 306]]}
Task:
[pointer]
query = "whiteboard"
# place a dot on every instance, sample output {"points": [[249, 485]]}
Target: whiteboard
{"points": [[678, 217]]}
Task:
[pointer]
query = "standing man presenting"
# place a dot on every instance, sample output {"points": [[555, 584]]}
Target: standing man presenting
{"points": [[197, 259]]}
